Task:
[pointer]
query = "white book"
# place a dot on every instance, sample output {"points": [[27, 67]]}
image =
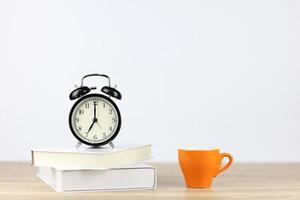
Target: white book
{"points": [[90, 158], [134, 177]]}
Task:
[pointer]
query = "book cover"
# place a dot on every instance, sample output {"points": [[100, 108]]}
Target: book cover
{"points": [[132, 177], [90, 158]]}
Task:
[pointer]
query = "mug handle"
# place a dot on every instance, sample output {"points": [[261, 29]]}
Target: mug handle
{"points": [[230, 157]]}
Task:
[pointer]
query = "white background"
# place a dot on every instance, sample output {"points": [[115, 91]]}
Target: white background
{"points": [[192, 73]]}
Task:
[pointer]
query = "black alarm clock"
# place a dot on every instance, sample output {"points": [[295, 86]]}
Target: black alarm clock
{"points": [[95, 118]]}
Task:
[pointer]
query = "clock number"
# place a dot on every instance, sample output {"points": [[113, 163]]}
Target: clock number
{"points": [[104, 135], [86, 105], [103, 105], [110, 128], [77, 119], [96, 103], [110, 111], [95, 137], [79, 128], [81, 112], [114, 120]]}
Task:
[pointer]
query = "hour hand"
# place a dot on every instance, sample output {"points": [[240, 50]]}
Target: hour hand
{"points": [[91, 126]]}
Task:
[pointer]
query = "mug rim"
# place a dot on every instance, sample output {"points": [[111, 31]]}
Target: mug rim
{"points": [[198, 148]]}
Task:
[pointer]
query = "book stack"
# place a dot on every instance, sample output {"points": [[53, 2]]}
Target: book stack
{"points": [[95, 169]]}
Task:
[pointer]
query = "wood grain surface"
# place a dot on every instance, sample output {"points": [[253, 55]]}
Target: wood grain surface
{"points": [[242, 181]]}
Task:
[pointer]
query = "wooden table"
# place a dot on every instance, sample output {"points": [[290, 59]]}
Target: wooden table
{"points": [[242, 181]]}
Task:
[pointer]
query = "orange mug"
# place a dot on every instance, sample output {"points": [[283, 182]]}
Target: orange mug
{"points": [[200, 166]]}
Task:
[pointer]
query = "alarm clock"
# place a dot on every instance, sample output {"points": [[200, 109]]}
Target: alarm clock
{"points": [[95, 118]]}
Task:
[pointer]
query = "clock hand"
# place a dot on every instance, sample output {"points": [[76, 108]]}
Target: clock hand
{"points": [[98, 125], [94, 119], [95, 110], [91, 126]]}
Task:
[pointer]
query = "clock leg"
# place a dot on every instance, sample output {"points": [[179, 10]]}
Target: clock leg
{"points": [[111, 144], [78, 144]]}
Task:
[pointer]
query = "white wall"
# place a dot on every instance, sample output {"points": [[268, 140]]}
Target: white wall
{"points": [[202, 73]]}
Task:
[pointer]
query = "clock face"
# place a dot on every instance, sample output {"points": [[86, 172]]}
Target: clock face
{"points": [[95, 119]]}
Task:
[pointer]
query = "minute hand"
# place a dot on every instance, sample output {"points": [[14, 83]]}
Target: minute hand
{"points": [[95, 110]]}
